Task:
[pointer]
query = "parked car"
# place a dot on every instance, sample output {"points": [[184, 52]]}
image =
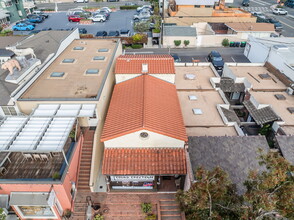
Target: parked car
{"points": [[105, 14], [258, 14], [35, 19], [176, 57], [280, 11], [106, 9], [290, 3], [277, 24], [74, 18], [113, 34], [40, 13], [82, 30], [26, 21], [140, 16], [144, 6], [101, 34], [81, 1], [125, 33], [47, 29], [23, 27], [34, 32], [98, 18], [245, 3], [216, 59]]}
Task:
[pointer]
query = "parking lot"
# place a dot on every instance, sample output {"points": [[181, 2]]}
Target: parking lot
{"points": [[117, 20]]}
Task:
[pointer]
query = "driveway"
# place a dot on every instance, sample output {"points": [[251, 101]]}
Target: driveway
{"points": [[117, 20]]}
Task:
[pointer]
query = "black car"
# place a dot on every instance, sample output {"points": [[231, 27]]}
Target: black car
{"points": [[125, 33], [113, 33], [176, 57], [41, 14], [101, 34], [33, 16], [216, 59], [82, 30], [245, 3]]}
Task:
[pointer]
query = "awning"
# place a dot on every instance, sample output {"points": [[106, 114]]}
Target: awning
{"points": [[29, 199]]}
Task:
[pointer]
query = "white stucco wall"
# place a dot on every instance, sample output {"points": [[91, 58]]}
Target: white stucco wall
{"points": [[124, 77], [134, 140], [256, 52], [168, 41]]}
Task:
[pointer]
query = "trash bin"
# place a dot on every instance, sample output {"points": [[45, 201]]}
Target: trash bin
{"points": [[243, 44], [232, 44], [237, 44]]}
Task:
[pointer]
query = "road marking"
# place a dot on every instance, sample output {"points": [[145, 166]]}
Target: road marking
{"points": [[261, 2], [286, 24], [257, 2], [233, 59]]}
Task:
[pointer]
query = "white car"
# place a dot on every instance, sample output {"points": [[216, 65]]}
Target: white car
{"points": [[81, 1], [144, 6], [280, 11], [106, 9], [99, 18]]}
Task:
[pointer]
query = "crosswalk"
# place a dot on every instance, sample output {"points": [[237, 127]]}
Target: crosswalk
{"points": [[260, 2], [254, 9]]}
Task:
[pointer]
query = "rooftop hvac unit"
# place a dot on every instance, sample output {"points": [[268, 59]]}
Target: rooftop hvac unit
{"points": [[290, 91]]}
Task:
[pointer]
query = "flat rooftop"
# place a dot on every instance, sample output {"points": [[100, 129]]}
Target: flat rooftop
{"points": [[279, 106], [212, 131], [201, 81], [265, 82], [206, 102], [77, 73], [289, 130]]}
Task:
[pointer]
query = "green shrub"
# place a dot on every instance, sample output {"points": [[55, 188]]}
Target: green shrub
{"points": [[226, 42], [280, 6], [156, 30], [146, 207], [137, 37], [128, 7], [55, 176], [177, 42], [67, 213], [151, 217], [1, 28], [47, 9], [98, 217], [137, 46], [186, 43]]}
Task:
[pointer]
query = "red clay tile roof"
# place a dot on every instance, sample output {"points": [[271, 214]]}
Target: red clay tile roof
{"points": [[157, 64], [144, 102], [144, 161]]}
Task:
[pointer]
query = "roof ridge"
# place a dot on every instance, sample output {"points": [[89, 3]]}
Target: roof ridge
{"points": [[144, 101]]}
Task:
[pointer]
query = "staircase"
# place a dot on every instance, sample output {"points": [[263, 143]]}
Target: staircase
{"points": [[85, 161], [169, 210]]}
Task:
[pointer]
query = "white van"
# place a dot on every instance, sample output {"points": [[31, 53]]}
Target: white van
{"points": [[81, 1]]}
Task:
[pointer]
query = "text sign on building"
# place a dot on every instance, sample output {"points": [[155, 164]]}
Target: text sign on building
{"points": [[131, 178]]}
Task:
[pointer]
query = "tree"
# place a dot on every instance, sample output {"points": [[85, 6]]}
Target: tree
{"points": [[177, 42], [2, 214], [270, 193], [141, 27], [186, 43], [225, 42], [212, 196]]}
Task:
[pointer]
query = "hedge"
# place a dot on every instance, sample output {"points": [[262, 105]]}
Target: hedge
{"points": [[137, 46], [129, 7]]}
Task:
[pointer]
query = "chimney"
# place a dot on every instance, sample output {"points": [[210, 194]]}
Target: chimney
{"points": [[144, 68]]}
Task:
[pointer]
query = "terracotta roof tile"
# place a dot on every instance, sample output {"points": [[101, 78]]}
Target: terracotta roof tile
{"points": [[144, 161], [144, 102], [157, 64]]}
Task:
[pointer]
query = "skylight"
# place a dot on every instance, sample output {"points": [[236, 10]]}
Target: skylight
{"points": [[197, 111], [68, 60], [192, 97], [57, 74], [92, 71], [190, 76], [78, 48], [103, 50], [99, 58]]}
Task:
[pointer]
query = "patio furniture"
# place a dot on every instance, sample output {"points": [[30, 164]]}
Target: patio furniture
{"points": [[3, 171], [37, 157], [28, 157], [44, 157]]}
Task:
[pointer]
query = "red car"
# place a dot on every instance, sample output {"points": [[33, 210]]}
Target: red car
{"points": [[74, 18]]}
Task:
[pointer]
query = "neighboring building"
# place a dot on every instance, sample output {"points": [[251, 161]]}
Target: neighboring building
{"points": [[276, 51], [29, 6], [182, 33], [14, 8], [285, 144], [80, 72], [159, 66], [243, 30], [144, 137], [235, 155], [39, 164]]}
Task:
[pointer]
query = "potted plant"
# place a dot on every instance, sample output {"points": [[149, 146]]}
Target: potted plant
{"points": [[156, 32], [72, 135], [56, 176], [98, 217], [67, 213]]}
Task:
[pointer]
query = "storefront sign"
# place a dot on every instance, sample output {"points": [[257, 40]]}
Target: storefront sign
{"points": [[131, 178]]}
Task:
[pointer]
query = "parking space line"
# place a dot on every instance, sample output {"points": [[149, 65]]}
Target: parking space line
{"points": [[233, 59], [286, 24]]}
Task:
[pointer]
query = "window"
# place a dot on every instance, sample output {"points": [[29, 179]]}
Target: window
{"points": [[144, 135], [78, 48], [197, 111], [92, 71], [9, 110], [57, 74], [207, 6], [192, 97], [103, 50], [68, 60], [196, 6], [99, 58], [36, 211]]}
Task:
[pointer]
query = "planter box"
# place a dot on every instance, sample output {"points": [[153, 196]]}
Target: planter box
{"points": [[155, 34], [84, 21]]}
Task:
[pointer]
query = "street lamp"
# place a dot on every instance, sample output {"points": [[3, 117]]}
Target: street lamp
{"points": [[56, 8]]}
